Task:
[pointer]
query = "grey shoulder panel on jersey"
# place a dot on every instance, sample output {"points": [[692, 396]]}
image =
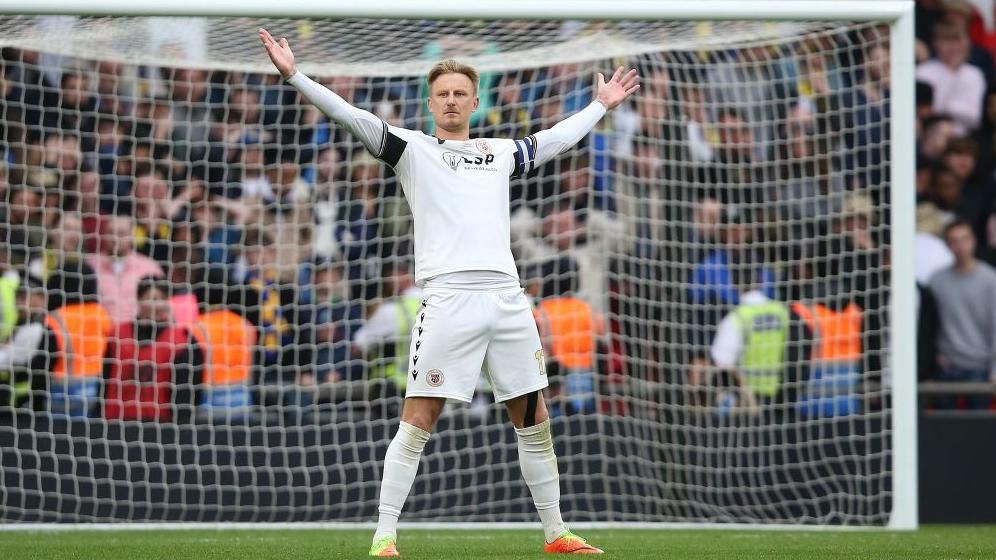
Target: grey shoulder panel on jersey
{"points": [[392, 147]]}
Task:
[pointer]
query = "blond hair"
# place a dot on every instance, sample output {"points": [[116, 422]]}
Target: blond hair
{"points": [[453, 67]]}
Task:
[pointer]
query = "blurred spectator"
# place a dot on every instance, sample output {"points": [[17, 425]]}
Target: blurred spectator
{"points": [[641, 194], [564, 234], [988, 246], [924, 105], [574, 226], [22, 366], [839, 355], [977, 192], [226, 340], [358, 227], [334, 320], [64, 268], [763, 345], [152, 209], [966, 15], [734, 176], [966, 306], [569, 330], [22, 224], [327, 188], [387, 334], [285, 214], [982, 28], [75, 343], [938, 130], [276, 315], [119, 268], [867, 107], [115, 88], [931, 254], [72, 109], [851, 258], [239, 118], [944, 201], [700, 131], [253, 179], [749, 78], [188, 93], [64, 154], [711, 288], [186, 269], [152, 371], [986, 137], [572, 83], [958, 86], [810, 190], [9, 281], [509, 118]]}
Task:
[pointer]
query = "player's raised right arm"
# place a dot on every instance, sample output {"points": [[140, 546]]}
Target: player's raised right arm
{"points": [[367, 127]]}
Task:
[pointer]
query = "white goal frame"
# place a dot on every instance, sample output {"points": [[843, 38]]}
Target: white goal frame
{"points": [[897, 13]]}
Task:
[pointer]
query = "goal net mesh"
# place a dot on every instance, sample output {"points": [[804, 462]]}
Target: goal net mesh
{"points": [[709, 269]]}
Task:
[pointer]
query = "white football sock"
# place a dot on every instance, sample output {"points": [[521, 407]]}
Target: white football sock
{"points": [[539, 469], [400, 466]]}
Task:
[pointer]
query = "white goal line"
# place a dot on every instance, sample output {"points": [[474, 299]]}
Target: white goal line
{"points": [[422, 525]]}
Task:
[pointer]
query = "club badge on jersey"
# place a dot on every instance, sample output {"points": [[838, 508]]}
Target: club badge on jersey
{"points": [[483, 146]]}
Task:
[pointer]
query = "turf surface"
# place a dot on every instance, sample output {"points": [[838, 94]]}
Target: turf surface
{"points": [[929, 542]]}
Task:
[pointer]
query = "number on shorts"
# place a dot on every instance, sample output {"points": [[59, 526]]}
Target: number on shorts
{"points": [[541, 361]]}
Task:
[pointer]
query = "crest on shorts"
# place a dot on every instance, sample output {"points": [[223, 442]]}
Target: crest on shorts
{"points": [[483, 146], [434, 378]]}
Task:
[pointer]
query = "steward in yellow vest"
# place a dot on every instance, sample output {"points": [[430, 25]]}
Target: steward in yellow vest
{"points": [[764, 347]]}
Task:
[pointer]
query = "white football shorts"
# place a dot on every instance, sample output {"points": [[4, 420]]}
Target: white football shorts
{"points": [[459, 333]]}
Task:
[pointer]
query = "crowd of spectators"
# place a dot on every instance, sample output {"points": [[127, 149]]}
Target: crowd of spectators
{"points": [[723, 237]]}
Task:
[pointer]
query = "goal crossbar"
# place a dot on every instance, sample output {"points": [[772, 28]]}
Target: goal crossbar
{"points": [[850, 10]]}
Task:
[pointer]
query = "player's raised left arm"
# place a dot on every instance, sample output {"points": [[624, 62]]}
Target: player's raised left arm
{"points": [[548, 144]]}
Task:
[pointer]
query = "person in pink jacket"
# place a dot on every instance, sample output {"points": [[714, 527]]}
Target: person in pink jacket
{"points": [[119, 268]]}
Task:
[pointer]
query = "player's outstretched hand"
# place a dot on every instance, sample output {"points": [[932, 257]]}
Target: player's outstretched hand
{"points": [[619, 87], [280, 53]]}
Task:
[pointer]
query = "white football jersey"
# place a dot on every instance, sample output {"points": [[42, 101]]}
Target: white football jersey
{"points": [[458, 192]]}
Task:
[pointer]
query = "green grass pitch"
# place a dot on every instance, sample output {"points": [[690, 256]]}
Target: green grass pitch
{"points": [[929, 542]]}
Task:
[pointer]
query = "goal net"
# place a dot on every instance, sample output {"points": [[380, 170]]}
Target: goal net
{"points": [[710, 271]]}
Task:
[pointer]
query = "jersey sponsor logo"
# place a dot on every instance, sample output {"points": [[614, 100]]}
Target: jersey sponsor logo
{"points": [[434, 378], [479, 163], [452, 160]]}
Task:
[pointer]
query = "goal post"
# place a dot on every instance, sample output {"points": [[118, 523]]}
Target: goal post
{"points": [[782, 466]]}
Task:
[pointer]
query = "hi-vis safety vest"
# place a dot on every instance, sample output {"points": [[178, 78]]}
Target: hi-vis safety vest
{"points": [[765, 329], [838, 333], [81, 331], [570, 324], [835, 370], [226, 341], [8, 307], [395, 370]]}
